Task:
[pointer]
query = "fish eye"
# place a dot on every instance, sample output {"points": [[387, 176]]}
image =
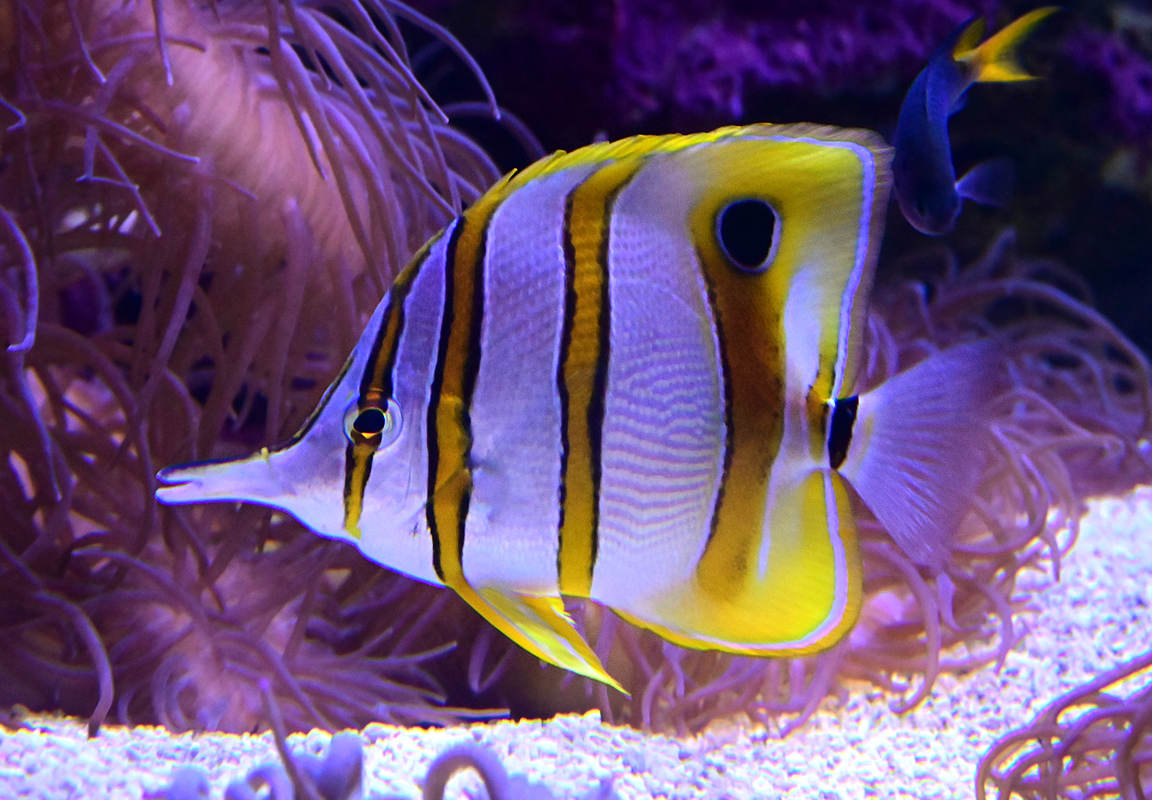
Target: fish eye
{"points": [[370, 421], [372, 424], [748, 232]]}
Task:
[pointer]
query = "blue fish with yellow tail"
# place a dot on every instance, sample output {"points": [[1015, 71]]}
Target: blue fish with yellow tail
{"points": [[628, 373], [926, 185]]}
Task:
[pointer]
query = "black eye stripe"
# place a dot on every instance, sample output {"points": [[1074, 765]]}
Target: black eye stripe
{"points": [[746, 231]]}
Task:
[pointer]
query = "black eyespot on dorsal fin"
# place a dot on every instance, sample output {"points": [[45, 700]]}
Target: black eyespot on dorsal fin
{"points": [[840, 432], [747, 232]]}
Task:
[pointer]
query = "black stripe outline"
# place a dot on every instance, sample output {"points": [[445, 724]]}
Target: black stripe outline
{"points": [[433, 442], [397, 302], [597, 402], [726, 384], [569, 317], [599, 399], [471, 371], [840, 433]]}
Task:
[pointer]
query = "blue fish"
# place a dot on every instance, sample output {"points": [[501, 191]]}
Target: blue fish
{"points": [[925, 180]]}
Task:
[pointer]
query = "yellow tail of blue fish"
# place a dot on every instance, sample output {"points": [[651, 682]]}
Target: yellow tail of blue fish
{"points": [[995, 61]]}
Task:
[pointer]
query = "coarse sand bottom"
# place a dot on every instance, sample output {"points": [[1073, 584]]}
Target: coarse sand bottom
{"points": [[1095, 618]]}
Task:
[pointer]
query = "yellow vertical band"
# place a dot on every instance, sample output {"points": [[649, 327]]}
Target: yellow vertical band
{"points": [[357, 468], [454, 378], [583, 372]]}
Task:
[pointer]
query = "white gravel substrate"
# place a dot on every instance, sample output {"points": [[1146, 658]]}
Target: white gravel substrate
{"points": [[1096, 617]]}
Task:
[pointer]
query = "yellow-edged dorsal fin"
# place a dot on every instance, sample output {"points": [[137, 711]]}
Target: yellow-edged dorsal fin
{"points": [[541, 626], [995, 61], [645, 145]]}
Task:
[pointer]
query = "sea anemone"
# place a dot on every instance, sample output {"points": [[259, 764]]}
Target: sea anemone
{"points": [[1095, 741], [199, 207], [211, 200]]}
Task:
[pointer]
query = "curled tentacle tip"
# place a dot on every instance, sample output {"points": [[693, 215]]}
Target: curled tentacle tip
{"points": [[340, 775], [186, 783], [497, 782], [467, 755], [272, 776]]}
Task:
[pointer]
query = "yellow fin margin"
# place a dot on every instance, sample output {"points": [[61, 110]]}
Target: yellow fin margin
{"points": [[648, 145], [791, 609], [541, 626]]}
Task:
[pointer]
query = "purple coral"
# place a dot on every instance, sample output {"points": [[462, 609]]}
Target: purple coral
{"points": [[576, 70], [703, 59], [1126, 75]]}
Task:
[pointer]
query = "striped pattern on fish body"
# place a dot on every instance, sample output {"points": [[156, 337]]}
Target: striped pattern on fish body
{"points": [[614, 377]]}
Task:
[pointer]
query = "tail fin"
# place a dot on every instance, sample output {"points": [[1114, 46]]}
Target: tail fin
{"points": [[914, 458], [967, 38], [995, 60]]}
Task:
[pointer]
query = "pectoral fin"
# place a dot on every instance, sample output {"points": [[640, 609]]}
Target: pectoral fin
{"points": [[989, 182], [541, 626]]}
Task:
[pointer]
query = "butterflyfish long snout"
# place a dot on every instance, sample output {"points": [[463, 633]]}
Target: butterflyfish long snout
{"points": [[628, 373]]}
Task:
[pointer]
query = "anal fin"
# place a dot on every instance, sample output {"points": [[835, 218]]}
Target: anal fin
{"points": [[541, 626], [796, 593]]}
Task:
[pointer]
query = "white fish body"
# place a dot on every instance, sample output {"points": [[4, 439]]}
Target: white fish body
{"points": [[627, 373]]}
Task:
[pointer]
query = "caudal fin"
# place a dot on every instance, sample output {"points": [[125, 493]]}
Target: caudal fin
{"points": [[915, 454], [995, 60]]}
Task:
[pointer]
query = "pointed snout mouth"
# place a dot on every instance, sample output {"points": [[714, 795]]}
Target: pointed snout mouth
{"points": [[250, 479], [262, 478], [180, 484]]}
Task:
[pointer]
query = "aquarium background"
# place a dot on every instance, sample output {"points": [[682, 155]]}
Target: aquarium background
{"points": [[113, 610], [611, 69]]}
